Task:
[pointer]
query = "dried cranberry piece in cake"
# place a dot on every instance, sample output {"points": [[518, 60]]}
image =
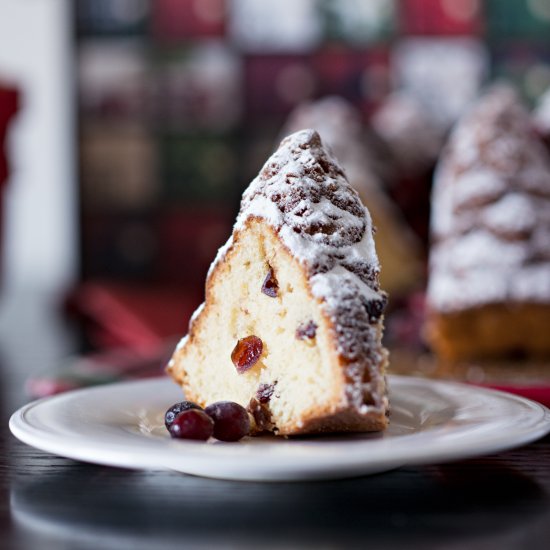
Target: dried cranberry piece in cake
{"points": [[265, 392], [246, 353], [261, 416], [306, 331], [270, 286]]}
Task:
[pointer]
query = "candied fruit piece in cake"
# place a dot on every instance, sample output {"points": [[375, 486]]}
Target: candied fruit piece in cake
{"points": [[306, 331], [246, 353], [303, 231], [270, 286]]}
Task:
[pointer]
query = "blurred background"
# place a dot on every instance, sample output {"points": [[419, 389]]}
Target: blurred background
{"points": [[129, 129]]}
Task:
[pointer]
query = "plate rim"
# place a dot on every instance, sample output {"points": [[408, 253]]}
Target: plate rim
{"points": [[347, 466]]}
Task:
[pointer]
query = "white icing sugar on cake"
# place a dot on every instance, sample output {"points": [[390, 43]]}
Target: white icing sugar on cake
{"points": [[478, 185], [491, 210], [498, 220]]}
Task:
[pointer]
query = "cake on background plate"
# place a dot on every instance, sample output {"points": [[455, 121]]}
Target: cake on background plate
{"points": [[489, 286], [292, 321], [414, 139]]}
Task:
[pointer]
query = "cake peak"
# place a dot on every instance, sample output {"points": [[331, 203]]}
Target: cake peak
{"points": [[302, 192], [339, 125]]}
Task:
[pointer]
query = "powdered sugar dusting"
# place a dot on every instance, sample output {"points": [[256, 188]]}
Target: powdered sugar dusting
{"points": [[491, 210], [498, 219], [479, 248], [478, 185]]}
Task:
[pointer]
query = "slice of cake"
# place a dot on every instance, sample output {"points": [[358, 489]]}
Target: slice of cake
{"points": [[292, 323], [489, 288], [413, 137]]}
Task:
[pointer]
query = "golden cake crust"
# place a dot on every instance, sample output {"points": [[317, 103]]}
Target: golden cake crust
{"points": [[491, 330]]}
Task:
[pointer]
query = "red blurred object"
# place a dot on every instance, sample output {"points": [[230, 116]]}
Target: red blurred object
{"points": [[178, 20], [188, 240], [138, 317], [9, 103], [142, 313], [112, 365], [441, 17], [412, 195], [274, 84], [405, 322], [540, 393], [363, 76]]}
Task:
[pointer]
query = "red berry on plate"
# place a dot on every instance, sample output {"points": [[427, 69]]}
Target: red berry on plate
{"points": [[192, 424], [175, 409], [231, 421]]}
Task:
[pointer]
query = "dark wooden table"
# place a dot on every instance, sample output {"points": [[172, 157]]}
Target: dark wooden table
{"points": [[500, 501]]}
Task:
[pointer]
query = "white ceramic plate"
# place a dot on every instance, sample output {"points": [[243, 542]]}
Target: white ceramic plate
{"points": [[431, 421]]}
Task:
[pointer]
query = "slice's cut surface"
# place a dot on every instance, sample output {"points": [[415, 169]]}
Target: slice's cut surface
{"points": [[292, 322]]}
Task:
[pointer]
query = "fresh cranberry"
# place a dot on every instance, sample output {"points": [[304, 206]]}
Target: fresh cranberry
{"points": [[192, 424], [231, 421], [175, 409]]}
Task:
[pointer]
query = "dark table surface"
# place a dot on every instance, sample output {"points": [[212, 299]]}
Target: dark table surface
{"points": [[499, 501]]}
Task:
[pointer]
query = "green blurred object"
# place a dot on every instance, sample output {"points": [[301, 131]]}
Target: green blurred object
{"points": [[358, 22], [112, 17], [525, 65], [198, 167], [518, 19]]}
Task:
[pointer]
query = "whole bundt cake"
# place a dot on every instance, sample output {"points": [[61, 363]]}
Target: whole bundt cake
{"points": [[489, 287]]}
